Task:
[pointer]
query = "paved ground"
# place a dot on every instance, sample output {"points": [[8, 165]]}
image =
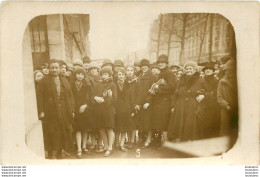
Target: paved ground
{"points": [[146, 153]]}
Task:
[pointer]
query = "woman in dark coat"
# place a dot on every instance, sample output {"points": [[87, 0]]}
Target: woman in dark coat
{"points": [[95, 80], [212, 108], [124, 121], [228, 99], [82, 97], [164, 88], [56, 107], [188, 120], [105, 97], [131, 84], [144, 100]]}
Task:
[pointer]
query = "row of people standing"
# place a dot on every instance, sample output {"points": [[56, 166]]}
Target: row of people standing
{"points": [[122, 100]]}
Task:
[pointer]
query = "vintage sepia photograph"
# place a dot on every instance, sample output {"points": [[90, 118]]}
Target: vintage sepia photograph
{"points": [[162, 86], [129, 83]]}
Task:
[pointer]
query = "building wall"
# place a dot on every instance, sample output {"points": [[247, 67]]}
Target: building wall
{"points": [[221, 37]]}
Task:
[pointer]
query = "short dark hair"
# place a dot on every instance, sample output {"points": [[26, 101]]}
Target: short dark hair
{"points": [[55, 61]]}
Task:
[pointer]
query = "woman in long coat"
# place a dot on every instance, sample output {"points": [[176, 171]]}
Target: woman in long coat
{"points": [[188, 120], [165, 86], [124, 121], [56, 107], [82, 96], [144, 100], [105, 97]]}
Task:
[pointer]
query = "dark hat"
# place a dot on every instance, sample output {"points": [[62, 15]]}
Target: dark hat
{"points": [[137, 63], [230, 65], [86, 59], [144, 62], [93, 65], [107, 61], [70, 67], [208, 65], [106, 69], [162, 58], [154, 65], [80, 69], [224, 59], [121, 69], [78, 62], [118, 63], [175, 65]]}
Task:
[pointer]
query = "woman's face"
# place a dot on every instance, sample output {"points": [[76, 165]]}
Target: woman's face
{"points": [[55, 69], [137, 68], [156, 71], [63, 69], [105, 76], [189, 70], [162, 65], [144, 68], [38, 76], [45, 71], [130, 72], [80, 76], [208, 72], [179, 74], [94, 71], [68, 73], [121, 76]]}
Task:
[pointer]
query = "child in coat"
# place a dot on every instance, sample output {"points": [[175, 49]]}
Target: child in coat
{"points": [[105, 100]]}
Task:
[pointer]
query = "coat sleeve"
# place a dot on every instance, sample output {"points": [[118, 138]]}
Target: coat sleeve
{"points": [[170, 86], [70, 95], [220, 96], [40, 95], [149, 97], [111, 100]]}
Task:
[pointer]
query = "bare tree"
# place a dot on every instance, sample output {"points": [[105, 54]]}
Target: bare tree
{"points": [[202, 36], [211, 36], [185, 17], [170, 29]]}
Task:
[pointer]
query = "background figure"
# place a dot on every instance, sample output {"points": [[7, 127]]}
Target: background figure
{"points": [[188, 118], [221, 63], [56, 107], [227, 98], [45, 68], [212, 109]]}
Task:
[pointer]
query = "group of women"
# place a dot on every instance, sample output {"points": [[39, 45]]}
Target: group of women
{"points": [[119, 106]]}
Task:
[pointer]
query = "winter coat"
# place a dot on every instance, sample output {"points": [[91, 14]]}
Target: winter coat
{"points": [[95, 82], [82, 96], [124, 105], [105, 112], [162, 100], [187, 122], [58, 118], [227, 96], [212, 109], [144, 83]]}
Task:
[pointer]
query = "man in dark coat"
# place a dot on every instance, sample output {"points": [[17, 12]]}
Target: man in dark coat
{"points": [[164, 88], [212, 109], [144, 100], [228, 99], [56, 107]]}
